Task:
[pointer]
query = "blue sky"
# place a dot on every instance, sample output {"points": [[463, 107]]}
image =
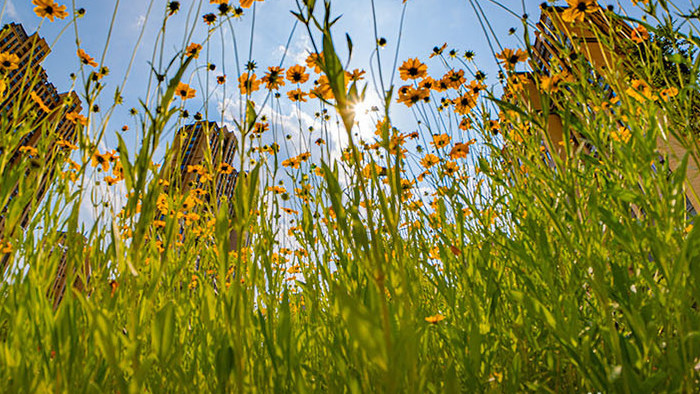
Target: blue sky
{"points": [[427, 23]]}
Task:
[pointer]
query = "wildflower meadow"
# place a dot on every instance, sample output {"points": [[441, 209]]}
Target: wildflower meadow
{"points": [[203, 213]]}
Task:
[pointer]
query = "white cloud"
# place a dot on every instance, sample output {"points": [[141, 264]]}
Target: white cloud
{"points": [[297, 52], [140, 21], [11, 11]]}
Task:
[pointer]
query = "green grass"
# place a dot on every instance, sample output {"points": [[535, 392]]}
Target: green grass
{"points": [[521, 273]]}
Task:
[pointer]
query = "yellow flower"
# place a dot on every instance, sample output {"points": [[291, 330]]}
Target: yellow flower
{"points": [[86, 59], [510, 58], [191, 217], [30, 150], [409, 95], [248, 83], [621, 135], [297, 74], [49, 9], [66, 144], [314, 61], [550, 84], [98, 159], [465, 103], [640, 91], [39, 101], [639, 34], [209, 18], [434, 319], [9, 61], [162, 204], [412, 69], [225, 168], [429, 160], [274, 78], [459, 151], [76, 118], [112, 180], [297, 95], [450, 168], [192, 50], [5, 247], [184, 91], [578, 9], [667, 93], [247, 3], [440, 140], [454, 79]]}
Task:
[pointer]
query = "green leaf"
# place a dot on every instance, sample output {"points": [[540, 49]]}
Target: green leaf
{"points": [[163, 331]]}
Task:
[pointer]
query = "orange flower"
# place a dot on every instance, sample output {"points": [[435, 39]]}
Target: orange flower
{"points": [[667, 93], [5, 247], [440, 140], [66, 144], [355, 75], [578, 9], [39, 101], [454, 79], [437, 51], [459, 151], [314, 61], [465, 124], [510, 58], [297, 74], [550, 84], [427, 83], [49, 9], [464, 104], [76, 118], [248, 83], [435, 318], [429, 160], [322, 88], [86, 59], [639, 34], [30, 150], [184, 91], [100, 160], [297, 95], [409, 95], [273, 79], [412, 69], [225, 168], [221, 79], [450, 168], [247, 3], [192, 50], [9, 61]]}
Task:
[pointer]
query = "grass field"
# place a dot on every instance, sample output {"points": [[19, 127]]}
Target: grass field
{"points": [[469, 252]]}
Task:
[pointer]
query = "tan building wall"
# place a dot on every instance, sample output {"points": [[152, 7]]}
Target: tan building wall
{"points": [[604, 58]]}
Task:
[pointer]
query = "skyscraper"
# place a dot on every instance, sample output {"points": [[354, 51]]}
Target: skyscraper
{"points": [[33, 113], [186, 165]]}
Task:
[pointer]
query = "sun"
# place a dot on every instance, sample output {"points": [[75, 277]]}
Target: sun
{"points": [[365, 113]]}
